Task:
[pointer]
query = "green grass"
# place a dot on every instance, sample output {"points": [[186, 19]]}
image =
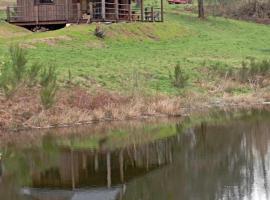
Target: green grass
{"points": [[143, 52]]}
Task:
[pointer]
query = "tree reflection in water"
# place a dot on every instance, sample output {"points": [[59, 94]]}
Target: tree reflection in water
{"points": [[227, 159], [213, 162]]}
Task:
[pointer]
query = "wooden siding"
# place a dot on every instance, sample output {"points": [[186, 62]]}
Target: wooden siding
{"points": [[28, 11], [72, 11]]}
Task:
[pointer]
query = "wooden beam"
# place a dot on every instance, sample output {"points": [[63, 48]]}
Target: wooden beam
{"points": [[78, 13], [91, 10], [36, 8], [67, 10], [142, 11], [162, 10], [152, 14], [129, 12], [116, 10], [103, 9]]}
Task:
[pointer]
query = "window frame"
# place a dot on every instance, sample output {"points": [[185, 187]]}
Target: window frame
{"points": [[38, 2]]}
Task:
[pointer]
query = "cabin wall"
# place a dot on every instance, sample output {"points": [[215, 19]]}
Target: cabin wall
{"points": [[72, 11], [52, 12], [27, 11]]}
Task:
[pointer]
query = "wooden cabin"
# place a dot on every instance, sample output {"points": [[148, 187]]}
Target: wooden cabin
{"points": [[50, 12]]}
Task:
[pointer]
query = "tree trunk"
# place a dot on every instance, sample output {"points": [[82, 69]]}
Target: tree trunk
{"points": [[201, 8]]}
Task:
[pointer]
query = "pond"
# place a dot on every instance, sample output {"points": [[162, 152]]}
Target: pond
{"points": [[222, 155]]}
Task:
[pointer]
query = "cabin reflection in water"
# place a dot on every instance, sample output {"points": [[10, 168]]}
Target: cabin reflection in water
{"points": [[88, 168]]}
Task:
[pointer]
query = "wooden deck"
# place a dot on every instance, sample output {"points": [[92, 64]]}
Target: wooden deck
{"points": [[63, 12]]}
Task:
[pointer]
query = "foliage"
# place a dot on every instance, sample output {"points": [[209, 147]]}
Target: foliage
{"points": [[99, 31], [16, 72], [7, 82], [33, 74], [49, 86], [180, 78], [13, 71], [252, 70], [18, 62]]}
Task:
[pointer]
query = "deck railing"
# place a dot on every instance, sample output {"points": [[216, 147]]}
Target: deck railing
{"points": [[98, 11]]}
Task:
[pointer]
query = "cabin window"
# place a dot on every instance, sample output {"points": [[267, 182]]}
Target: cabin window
{"points": [[44, 1]]}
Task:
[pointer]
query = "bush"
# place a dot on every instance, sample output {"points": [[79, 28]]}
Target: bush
{"points": [[13, 71], [18, 62], [16, 72], [99, 31], [48, 84], [33, 74], [180, 78], [7, 83]]}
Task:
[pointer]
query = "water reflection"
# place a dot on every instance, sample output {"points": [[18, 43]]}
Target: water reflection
{"points": [[224, 158]]}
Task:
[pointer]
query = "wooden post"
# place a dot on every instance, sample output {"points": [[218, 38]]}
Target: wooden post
{"points": [[129, 12], [78, 12], [116, 7], [8, 14], [67, 10], [109, 173], [91, 10], [103, 9], [142, 11], [37, 14], [162, 11], [152, 14]]}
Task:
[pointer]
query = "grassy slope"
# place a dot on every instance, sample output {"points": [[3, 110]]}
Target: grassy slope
{"points": [[143, 52]]}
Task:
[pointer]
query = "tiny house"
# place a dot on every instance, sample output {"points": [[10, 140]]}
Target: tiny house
{"points": [[52, 12]]}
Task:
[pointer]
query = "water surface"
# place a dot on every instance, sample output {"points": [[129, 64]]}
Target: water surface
{"points": [[214, 157]]}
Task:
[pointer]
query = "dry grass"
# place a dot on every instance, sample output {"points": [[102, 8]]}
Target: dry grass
{"points": [[77, 106]]}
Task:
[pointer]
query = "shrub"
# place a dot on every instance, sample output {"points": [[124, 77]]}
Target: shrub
{"points": [[7, 83], [47, 95], [99, 31], [13, 71], [48, 84], [18, 62], [180, 78], [33, 74]]}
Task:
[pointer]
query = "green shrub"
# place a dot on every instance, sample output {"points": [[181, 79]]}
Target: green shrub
{"points": [[48, 82], [16, 72], [47, 95], [180, 78], [221, 69], [32, 74], [252, 69], [18, 62], [13, 71], [7, 82]]}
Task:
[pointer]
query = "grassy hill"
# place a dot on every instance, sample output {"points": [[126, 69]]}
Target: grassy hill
{"points": [[143, 53]]}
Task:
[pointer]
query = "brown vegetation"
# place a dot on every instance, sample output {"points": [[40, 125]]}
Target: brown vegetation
{"points": [[77, 106], [74, 106]]}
